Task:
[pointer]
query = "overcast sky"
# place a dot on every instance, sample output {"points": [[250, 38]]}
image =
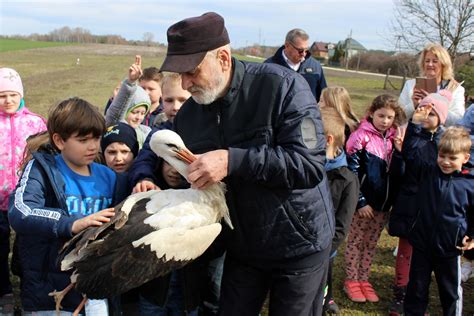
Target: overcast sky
{"points": [[248, 22]]}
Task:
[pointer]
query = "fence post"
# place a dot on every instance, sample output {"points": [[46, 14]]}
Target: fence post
{"points": [[386, 79]]}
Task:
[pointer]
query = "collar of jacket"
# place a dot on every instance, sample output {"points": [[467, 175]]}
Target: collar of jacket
{"points": [[280, 60], [337, 162]]}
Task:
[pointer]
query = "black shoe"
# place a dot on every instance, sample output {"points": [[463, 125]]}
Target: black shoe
{"points": [[331, 307]]}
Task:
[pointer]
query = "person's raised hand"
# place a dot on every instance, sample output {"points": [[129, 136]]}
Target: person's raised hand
{"points": [[96, 219], [421, 113], [209, 168], [418, 95], [135, 70], [398, 139]]}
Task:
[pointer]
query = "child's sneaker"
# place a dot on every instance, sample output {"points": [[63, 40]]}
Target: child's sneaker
{"points": [[354, 292], [331, 307], [466, 270], [369, 292]]}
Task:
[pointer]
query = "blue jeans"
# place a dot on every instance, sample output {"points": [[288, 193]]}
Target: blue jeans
{"points": [[48, 313], [215, 270], [5, 285], [174, 305]]}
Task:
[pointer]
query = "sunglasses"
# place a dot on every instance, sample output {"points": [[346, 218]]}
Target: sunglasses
{"points": [[299, 50]]}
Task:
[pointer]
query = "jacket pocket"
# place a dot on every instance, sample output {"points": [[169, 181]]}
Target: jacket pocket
{"points": [[298, 222]]}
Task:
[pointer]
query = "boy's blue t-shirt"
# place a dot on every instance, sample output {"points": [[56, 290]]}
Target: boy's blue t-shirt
{"points": [[86, 195]]}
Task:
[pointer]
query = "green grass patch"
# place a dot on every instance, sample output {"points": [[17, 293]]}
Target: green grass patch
{"points": [[249, 58], [18, 44]]}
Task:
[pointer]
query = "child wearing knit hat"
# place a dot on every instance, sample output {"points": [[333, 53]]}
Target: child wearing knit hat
{"points": [[16, 124], [119, 147], [131, 104], [433, 110]]}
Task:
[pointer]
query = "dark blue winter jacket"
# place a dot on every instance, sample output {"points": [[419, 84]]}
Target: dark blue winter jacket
{"points": [[144, 166], [403, 214], [39, 215], [277, 188], [310, 69], [445, 204]]}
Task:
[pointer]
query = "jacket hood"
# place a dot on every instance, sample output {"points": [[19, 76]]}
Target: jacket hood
{"points": [[337, 162], [139, 98]]}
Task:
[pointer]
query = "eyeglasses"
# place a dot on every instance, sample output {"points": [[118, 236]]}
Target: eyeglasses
{"points": [[299, 50]]}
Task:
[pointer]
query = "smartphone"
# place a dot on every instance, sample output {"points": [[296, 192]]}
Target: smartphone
{"points": [[429, 85]]}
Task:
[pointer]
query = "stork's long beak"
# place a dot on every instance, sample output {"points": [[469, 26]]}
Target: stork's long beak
{"points": [[185, 155]]}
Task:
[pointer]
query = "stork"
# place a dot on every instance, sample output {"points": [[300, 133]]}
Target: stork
{"points": [[150, 234]]}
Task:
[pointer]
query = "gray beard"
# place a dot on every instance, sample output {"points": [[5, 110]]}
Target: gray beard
{"points": [[207, 96]]}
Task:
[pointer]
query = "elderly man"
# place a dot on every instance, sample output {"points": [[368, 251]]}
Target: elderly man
{"points": [[295, 55], [258, 129]]}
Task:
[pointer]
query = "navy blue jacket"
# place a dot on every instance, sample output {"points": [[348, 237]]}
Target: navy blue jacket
{"points": [[40, 192], [403, 214], [144, 166], [445, 204], [310, 69], [277, 189]]}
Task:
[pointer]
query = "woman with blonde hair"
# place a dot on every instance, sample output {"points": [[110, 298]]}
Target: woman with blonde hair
{"points": [[338, 98], [434, 62]]}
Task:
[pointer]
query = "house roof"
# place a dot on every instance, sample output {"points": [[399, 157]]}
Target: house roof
{"points": [[353, 44], [319, 46]]}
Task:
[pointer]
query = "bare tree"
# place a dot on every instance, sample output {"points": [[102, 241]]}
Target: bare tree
{"points": [[148, 38], [448, 22]]}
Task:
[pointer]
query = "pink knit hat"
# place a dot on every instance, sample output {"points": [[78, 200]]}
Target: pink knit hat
{"points": [[440, 102], [10, 81]]}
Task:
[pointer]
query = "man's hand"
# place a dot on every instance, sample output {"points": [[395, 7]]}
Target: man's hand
{"points": [[421, 114], [467, 244], [96, 219], [135, 70], [366, 211], [208, 169], [145, 185]]}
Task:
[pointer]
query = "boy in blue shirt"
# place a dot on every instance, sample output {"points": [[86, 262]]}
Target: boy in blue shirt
{"points": [[444, 225], [57, 197]]}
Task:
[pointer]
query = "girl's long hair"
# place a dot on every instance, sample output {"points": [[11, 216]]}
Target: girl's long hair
{"points": [[338, 98]]}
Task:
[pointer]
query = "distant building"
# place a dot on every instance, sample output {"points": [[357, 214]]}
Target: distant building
{"points": [[352, 47], [319, 49]]}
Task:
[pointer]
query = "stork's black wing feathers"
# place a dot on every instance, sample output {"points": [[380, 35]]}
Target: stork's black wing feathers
{"points": [[114, 267]]}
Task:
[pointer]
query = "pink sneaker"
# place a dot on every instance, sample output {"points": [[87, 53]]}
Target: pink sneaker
{"points": [[369, 292], [353, 291]]}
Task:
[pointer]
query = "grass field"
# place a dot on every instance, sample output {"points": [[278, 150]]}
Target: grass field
{"points": [[18, 44], [52, 74]]}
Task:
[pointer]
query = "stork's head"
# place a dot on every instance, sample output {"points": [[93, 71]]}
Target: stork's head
{"points": [[169, 146]]}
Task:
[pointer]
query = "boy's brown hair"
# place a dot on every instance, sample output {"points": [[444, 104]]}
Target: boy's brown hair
{"points": [[333, 125], [455, 140], [75, 116], [151, 73]]}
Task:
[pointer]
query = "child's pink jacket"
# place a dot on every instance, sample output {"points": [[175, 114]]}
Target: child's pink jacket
{"points": [[15, 129]]}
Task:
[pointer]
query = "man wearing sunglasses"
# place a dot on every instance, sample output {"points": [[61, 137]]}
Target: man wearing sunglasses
{"points": [[295, 55]]}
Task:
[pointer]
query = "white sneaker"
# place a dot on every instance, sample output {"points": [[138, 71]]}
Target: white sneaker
{"points": [[466, 271]]}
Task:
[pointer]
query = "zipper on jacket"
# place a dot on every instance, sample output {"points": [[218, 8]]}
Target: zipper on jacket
{"points": [[219, 126], [12, 149]]}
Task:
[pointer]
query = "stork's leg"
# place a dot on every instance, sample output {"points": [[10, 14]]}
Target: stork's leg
{"points": [[59, 295], [80, 306]]}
